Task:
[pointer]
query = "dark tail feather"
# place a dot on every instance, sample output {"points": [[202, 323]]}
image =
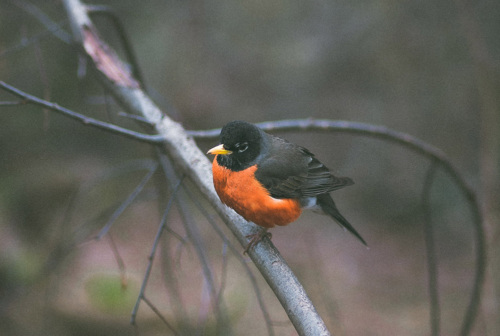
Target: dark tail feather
{"points": [[326, 203]]}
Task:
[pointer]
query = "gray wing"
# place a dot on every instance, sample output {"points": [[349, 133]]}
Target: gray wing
{"points": [[297, 173]]}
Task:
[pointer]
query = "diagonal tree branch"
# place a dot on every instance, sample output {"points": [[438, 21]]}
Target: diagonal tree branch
{"points": [[193, 163]]}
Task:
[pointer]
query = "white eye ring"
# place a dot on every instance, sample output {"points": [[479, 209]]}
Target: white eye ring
{"points": [[242, 147]]}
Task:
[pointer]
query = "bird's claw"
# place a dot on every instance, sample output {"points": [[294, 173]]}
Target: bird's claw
{"points": [[255, 238]]}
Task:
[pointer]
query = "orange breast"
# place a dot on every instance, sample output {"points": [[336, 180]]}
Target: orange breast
{"points": [[243, 193]]}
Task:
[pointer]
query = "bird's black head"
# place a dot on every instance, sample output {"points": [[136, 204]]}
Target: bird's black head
{"points": [[241, 145]]}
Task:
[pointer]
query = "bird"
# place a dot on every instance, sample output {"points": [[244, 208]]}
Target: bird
{"points": [[269, 181]]}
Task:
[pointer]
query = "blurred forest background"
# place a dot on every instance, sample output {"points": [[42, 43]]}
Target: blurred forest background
{"points": [[428, 68]]}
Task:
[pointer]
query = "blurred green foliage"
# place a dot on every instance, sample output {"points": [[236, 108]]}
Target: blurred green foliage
{"points": [[109, 294]]}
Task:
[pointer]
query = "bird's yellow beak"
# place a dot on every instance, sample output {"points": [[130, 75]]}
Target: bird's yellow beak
{"points": [[219, 150]]}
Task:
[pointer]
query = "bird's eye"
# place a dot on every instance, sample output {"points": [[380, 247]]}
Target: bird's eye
{"points": [[242, 147]]}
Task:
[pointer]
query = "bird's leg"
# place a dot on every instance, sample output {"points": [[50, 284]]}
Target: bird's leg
{"points": [[255, 238]]}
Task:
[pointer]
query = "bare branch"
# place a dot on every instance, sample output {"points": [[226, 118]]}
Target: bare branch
{"points": [[159, 314], [29, 99], [119, 261], [130, 199], [435, 309], [52, 27], [161, 228]]}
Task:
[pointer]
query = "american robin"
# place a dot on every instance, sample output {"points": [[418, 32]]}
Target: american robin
{"points": [[268, 180]]}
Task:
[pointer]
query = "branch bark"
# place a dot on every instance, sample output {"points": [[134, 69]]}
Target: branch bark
{"points": [[194, 164]]}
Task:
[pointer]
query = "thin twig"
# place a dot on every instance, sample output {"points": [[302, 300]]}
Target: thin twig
{"points": [[485, 71], [27, 98], [153, 252], [127, 202], [158, 313], [327, 125], [81, 234], [435, 310], [53, 27], [119, 260], [25, 42], [45, 82], [170, 263]]}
